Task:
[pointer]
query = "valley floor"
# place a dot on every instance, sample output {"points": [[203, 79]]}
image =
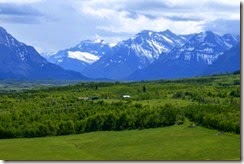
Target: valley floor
{"points": [[178, 142]]}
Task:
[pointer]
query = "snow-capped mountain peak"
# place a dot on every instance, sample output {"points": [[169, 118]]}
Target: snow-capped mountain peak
{"points": [[99, 41], [201, 51], [204, 47], [19, 48], [167, 32], [80, 56], [201, 36], [98, 59], [135, 53], [145, 33], [7, 39], [229, 39], [149, 44], [86, 45]]}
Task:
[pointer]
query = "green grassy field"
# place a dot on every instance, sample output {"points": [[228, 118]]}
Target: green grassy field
{"points": [[168, 143]]}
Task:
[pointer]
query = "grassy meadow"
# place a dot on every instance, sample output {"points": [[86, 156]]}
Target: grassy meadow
{"points": [[178, 142]]}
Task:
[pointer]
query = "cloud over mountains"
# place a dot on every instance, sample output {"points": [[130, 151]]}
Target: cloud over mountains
{"points": [[112, 20]]}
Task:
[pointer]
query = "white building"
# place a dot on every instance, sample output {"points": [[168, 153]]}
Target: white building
{"points": [[126, 96]]}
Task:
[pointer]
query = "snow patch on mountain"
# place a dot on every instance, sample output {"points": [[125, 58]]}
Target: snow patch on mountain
{"points": [[21, 55], [60, 60], [140, 51], [209, 59], [83, 56], [167, 39], [99, 41], [208, 50], [228, 45]]}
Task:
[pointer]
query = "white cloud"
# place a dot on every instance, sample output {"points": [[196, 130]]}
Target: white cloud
{"points": [[67, 22], [101, 13], [117, 11], [20, 1], [119, 21], [201, 3]]}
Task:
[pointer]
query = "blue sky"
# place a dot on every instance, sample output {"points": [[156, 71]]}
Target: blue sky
{"points": [[51, 25]]}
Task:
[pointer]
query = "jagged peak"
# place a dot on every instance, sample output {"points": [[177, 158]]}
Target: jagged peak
{"points": [[232, 36], [145, 32], [206, 35], [209, 32], [95, 41], [2, 30], [98, 41], [7, 39], [167, 31]]}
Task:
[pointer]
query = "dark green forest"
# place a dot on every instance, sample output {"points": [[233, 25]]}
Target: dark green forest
{"points": [[213, 102]]}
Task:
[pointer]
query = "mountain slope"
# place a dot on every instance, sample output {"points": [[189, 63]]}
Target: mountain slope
{"points": [[189, 60], [228, 62], [19, 61], [79, 57], [133, 54]]}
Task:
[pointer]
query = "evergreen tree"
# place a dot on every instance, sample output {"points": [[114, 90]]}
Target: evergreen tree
{"points": [[144, 88]]}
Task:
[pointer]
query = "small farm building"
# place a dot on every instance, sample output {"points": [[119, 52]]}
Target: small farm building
{"points": [[126, 96]]}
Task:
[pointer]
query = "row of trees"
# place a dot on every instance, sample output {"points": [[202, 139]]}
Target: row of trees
{"points": [[224, 118], [115, 116]]}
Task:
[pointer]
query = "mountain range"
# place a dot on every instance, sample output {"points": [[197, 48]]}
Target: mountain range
{"points": [[20, 61], [134, 54], [193, 58], [148, 55], [156, 55]]}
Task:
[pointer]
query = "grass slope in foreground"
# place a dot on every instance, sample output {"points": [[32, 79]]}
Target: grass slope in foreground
{"points": [[177, 142]]}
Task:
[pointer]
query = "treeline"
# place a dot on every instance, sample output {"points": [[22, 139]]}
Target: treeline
{"points": [[214, 103], [224, 118], [99, 116]]}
